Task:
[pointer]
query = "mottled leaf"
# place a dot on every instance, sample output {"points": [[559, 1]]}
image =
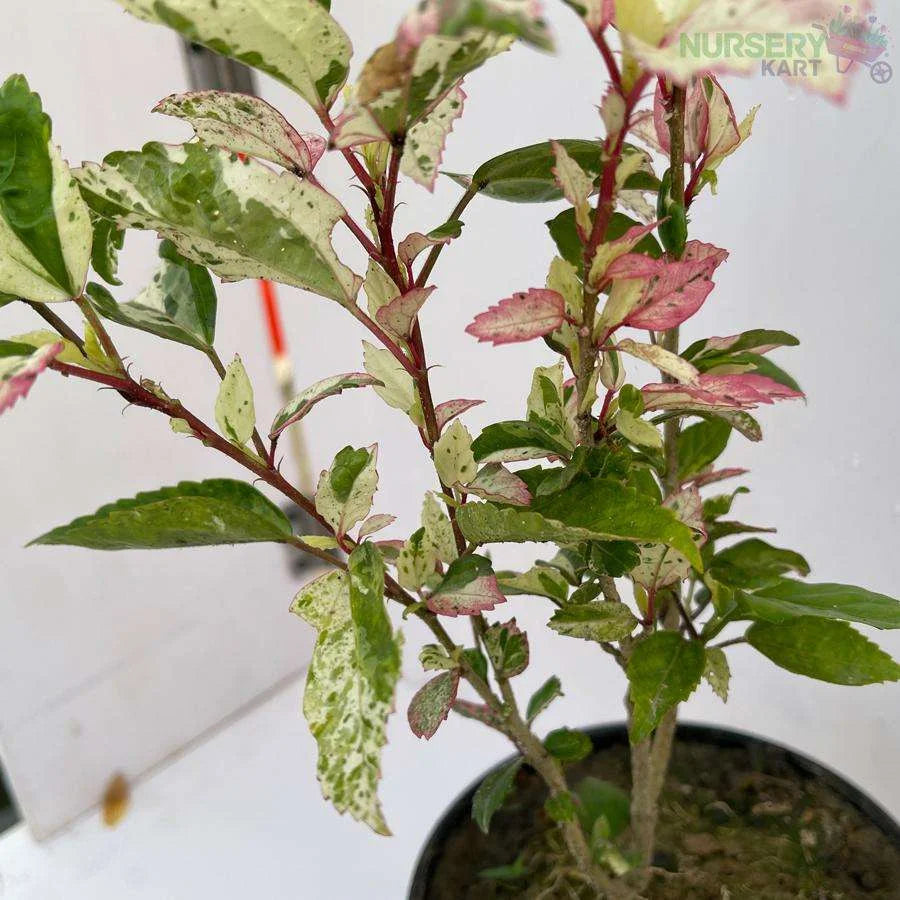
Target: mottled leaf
{"points": [[411, 246], [494, 482], [423, 150], [637, 430], [191, 514], [246, 124], [513, 441], [431, 704], [415, 562], [664, 360], [20, 365], [245, 222], [576, 186], [507, 647], [235, 411], [468, 588], [307, 399], [664, 669], [375, 523], [45, 226], [538, 581], [522, 317], [453, 457], [398, 316], [345, 492], [823, 649], [348, 694], [108, 240], [396, 386], [568, 746], [438, 538], [446, 412], [295, 41]]}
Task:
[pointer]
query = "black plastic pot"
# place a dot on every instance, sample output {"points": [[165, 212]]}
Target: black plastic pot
{"points": [[607, 736]]}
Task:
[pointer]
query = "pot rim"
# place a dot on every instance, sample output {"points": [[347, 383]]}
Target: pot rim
{"points": [[611, 734]]}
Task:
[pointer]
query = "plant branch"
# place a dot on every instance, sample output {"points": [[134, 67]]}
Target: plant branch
{"points": [[55, 322]]}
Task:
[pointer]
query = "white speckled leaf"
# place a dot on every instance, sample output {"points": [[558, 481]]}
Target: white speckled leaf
{"points": [[397, 387], [424, 147], [438, 530], [346, 703], [295, 41], [431, 704], [415, 562], [346, 490], [237, 218], [235, 412], [45, 226], [243, 123], [453, 456]]}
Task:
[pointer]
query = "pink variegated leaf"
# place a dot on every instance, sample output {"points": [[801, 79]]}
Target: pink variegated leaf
{"points": [[522, 317], [716, 475], [696, 121], [414, 244], [495, 482], [717, 392], [635, 265], [375, 523], [607, 254], [19, 367], [400, 314], [480, 712], [431, 704], [676, 290], [724, 133], [468, 588], [448, 411]]}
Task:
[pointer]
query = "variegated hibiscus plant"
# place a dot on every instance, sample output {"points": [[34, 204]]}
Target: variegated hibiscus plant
{"points": [[609, 472]]}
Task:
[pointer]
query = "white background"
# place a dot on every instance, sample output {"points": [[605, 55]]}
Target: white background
{"points": [[110, 661]]}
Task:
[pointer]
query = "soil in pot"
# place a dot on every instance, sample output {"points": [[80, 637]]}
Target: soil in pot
{"points": [[739, 820]]}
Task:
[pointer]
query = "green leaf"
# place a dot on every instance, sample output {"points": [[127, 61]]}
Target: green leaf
{"points": [[564, 232], [759, 340], [600, 798], [108, 241], [512, 872], [638, 430], [823, 649], [235, 411], [717, 672], [787, 599], [492, 793], [350, 685], [753, 564], [526, 175], [295, 41], [507, 647], [45, 226], [191, 514], [615, 558], [345, 492], [300, 405], [561, 807], [521, 20], [599, 621], [539, 581], [178, 305], [568, 746], [236, 217], [514, 441], [700, 445], [664, 669], [542, 698], [592, 509]]}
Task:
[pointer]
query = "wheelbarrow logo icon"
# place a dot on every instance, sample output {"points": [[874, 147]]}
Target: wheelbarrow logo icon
{"points": [[858, 39]]}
